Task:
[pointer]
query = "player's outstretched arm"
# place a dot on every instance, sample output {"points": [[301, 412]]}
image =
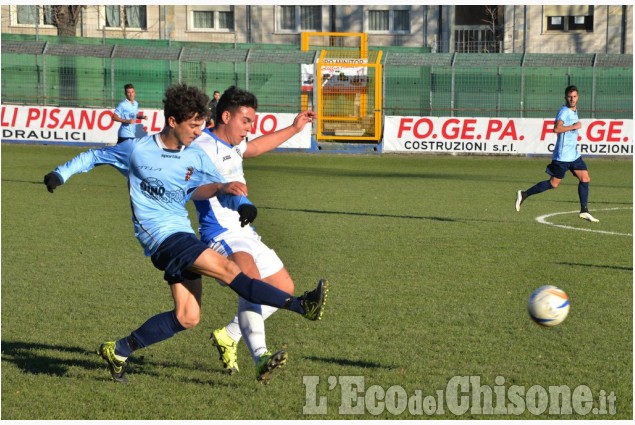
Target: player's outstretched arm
{"points": [[117, 156], [270, 141]]}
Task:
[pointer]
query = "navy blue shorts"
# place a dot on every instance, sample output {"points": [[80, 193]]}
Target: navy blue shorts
{"points": [[176, 254], [558, 169]]}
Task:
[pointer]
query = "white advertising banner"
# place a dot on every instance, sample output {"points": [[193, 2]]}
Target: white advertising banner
{"points": [[49, 124], [268, 123], [337, 74], [501, 135]]}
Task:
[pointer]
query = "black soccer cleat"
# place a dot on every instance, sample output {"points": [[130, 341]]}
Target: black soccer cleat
{"points": [[313, 302]]}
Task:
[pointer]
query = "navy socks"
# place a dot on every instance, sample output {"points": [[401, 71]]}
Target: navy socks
{"points": [[539, 188], [156, 329], [583, 193], [165, 325], [260, 292]]}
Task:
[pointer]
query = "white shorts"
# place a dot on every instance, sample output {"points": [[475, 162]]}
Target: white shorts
{"points": [[247, 240]]}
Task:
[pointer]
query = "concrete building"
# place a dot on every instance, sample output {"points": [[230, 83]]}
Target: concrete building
{"points": [[444, 28]]}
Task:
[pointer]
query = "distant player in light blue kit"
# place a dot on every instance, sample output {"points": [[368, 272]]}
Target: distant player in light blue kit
{"points": [[565, 157], [127, 113], [163, 173]]}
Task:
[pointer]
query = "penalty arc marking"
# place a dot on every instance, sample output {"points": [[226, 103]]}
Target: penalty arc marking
{"points": [[543, 220]]}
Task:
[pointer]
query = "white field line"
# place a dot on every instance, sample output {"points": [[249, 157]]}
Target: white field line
{"points": [[543, 220]]}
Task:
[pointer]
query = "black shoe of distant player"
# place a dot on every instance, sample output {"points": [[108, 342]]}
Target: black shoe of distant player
{"points": [[520, 198], [117, 367], [314, 301]]}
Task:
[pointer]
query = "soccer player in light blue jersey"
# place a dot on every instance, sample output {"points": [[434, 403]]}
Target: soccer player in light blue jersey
{"points": [[565, 157], [164, 172], [219, 227], [127, 113]]}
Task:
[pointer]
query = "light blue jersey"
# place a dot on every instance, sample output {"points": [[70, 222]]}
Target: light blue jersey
{"points": [[160, 182], [566, 149], [127, 110]]}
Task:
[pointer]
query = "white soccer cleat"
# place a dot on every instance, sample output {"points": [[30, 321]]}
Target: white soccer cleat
{"points": [[588, 217], [520, 198]]}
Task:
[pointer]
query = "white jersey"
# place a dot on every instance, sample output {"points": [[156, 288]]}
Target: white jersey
{"points": [[219, 226], [215, 219]]}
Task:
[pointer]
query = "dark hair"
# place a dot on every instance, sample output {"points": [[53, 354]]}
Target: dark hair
{"points": [[233, 98], [569, 89], [184, 102], [128, 86]]}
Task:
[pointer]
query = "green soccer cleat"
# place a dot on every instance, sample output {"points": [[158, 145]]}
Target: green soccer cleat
{"points": [[117, 367], [227, 350], [315, 300], [268, 364]]}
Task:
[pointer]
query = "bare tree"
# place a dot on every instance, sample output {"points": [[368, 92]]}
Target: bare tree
{"points": [[492, 22], [65, 18]]}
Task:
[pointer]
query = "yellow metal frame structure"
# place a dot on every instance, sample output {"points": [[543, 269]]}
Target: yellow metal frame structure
{"points": [[305, 40], [348, 105]]}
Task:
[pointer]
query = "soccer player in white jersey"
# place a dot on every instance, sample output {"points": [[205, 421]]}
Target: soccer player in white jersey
{"points": [[565, 157], [219, 226], [163, 173]]}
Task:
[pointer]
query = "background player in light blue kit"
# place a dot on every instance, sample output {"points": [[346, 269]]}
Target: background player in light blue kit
{"points": [[565, 157], [163, 173], [127, 113]]}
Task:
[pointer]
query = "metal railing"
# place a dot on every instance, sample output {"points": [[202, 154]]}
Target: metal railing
{"points": [[415, 83]]}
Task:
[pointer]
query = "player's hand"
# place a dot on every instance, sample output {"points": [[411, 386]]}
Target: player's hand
{"points": [[302, 119], [247, 214], [52, 180], [235, 188]]}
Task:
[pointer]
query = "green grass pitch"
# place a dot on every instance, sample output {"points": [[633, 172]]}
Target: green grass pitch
{"points": [[430, 269]]}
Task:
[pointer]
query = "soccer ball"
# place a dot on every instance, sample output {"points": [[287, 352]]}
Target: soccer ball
{"points": [[548, 305]]}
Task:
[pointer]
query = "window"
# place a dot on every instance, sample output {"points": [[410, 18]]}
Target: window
{"points": [[555, 23], [378, 20], [388, 20], [401, 21], [568, 18], [32, 15], [126, 17], [299, 18], [584, 23], [570, 23], [219, 18]]}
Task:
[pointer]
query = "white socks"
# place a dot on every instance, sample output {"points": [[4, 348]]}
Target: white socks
{"points": [[250, 323]]}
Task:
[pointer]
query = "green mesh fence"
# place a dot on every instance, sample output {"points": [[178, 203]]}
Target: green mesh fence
{"points": [[88, 73]]}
